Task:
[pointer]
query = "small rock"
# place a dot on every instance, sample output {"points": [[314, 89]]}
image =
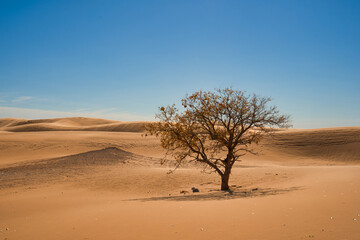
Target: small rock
{"points": [[254, 189], [7, 229], [354, 219], [201, 229], [331, 218], [184, 192], [195, 189]]}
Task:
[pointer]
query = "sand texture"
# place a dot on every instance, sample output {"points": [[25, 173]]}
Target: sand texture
{"points": [[68, 124], [83, 178]]}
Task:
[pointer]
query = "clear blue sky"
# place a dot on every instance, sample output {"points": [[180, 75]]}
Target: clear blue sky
{"points": [[123, 59]]}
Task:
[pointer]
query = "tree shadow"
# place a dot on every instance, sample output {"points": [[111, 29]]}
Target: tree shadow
{"points": [[222, 195]]}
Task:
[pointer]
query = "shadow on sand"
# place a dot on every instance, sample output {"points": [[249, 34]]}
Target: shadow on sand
{"points": [[222, 195]]}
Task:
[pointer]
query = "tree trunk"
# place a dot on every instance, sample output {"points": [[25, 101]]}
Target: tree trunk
{"points": [[225, 182]]}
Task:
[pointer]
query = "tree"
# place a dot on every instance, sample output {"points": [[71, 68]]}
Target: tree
{"points": [[216, 128]]}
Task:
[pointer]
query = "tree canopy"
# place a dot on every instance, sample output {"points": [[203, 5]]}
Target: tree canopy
{"points": [[216, 128]]}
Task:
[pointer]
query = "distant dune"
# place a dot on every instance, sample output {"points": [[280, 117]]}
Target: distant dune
{"points": [[340, 144], [330, 144], [69, 124]]}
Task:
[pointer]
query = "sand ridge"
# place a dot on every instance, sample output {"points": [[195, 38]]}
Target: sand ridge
{"points": [[327, 144], [68, 124]]}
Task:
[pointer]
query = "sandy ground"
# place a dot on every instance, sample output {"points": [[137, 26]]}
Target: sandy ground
{"points": [[75, 181]]}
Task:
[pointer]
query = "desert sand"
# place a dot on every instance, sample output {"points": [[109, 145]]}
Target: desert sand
{"points": [[82, 178]]}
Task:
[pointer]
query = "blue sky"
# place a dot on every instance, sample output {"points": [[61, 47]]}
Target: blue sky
{"points": [[123, 59]]}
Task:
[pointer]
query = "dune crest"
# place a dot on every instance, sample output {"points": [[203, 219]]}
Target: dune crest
{"points": [[340, 144], [69, 124]]}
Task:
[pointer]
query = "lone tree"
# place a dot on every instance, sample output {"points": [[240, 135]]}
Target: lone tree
{"points": [[216, 128]]}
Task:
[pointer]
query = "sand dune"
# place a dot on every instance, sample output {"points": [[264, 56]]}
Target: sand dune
{"points": [[329, 144], [83, 178], [71, 166], [68, 124]]}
